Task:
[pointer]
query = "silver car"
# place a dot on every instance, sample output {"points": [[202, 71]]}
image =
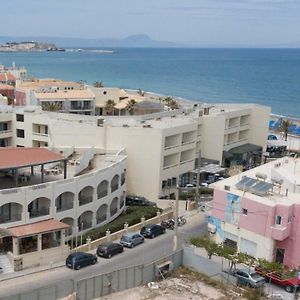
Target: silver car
{"points": [[130, 239], [249, 278]]}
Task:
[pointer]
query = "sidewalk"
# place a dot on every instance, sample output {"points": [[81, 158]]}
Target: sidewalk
{"points": [[29, 271]]}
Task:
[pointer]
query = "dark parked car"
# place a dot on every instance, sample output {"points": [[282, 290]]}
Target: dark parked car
{"points": [[78, 260], [139, 201], [131, 239], [109, 249], [152, 230]]}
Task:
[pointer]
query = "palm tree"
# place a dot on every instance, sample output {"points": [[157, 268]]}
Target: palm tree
{"points": [[110, 106], [98, 84], [173, 104], [52, 106], [167, 100], [284, 127], [131, 106]]}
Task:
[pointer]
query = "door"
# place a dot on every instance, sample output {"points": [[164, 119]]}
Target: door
{"points": [[279, 255]]}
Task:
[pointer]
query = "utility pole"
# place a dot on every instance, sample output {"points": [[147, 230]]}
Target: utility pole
{"points": [[175, 238], [198, 177]]}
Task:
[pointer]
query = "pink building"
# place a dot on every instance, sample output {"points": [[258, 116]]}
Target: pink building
{"points": [[258, 211]]}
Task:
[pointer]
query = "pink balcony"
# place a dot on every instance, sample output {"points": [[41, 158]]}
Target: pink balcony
{"points": [[280, 233]]}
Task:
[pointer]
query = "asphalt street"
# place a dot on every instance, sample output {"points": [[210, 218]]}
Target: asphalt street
{"points": [[150, 251]]}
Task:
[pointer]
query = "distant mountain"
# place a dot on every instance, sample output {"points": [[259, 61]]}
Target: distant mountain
{"points": [[140, 40]]}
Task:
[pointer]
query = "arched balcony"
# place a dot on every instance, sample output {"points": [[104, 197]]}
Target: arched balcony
{"points": [[85, 220], [123, 177], [64, 201], [114, 206], [122, 200], [39, 207], [101, 214], [86, 195], [102, 189], [11, 212], [115, 183], [69, 221]]}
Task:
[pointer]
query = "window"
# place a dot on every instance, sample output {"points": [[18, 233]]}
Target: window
{"points": [[20, 133], [278, 220], [290, 219], [164, 184], [174, 181], [20, 118], [245, 211], [104, 93]]}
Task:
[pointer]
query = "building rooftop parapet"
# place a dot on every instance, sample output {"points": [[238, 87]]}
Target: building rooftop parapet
{"points": [[282, 175]]}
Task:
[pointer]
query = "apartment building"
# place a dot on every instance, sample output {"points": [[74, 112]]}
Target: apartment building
{"points": [[258, 211], [160, 147], [7, 135], [69, 96]]}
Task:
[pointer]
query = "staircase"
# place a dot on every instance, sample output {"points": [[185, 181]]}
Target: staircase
{"points": [[5, 265]]}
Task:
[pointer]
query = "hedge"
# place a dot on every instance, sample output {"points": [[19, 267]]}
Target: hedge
{"points": [[132, 216]]}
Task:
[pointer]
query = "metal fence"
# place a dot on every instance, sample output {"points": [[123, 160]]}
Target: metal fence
{"points": [[103, 284]]}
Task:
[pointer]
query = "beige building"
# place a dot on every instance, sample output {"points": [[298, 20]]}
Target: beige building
{"points": [[159, 147]]}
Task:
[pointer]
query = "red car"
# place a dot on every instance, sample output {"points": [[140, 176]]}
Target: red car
{"points": [[289, 283]]}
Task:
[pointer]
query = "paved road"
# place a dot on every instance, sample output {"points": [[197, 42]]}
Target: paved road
{"points": [[145, 253]]}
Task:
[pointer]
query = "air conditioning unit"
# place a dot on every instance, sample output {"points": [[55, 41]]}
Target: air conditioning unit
{"points": [[226, 187]]}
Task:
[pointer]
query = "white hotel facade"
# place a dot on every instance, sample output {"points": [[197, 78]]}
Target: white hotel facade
{"points": [[158, 147]]}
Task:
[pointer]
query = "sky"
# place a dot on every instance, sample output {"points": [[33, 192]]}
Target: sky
{"points": [[196, 22]]}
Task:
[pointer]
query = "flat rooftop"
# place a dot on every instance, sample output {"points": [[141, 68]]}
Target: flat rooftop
{"points": [[55, 171], [286, 169]]}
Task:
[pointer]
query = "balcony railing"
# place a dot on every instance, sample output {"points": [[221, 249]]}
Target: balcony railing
{"points": [[5, 131], [114, 187], [84, 225], [40, 134], [101, 219], [280, 232], [85, 200], [113, 211], [11, 218], [34, 213], [102, 194], [64, 207]]}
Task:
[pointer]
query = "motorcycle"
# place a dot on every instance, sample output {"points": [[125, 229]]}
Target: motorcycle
{"points": [[181, 221], [168, 224]]}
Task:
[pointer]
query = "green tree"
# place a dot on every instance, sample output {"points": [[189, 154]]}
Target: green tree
{"points": [[52, 106], [284, 127], [110, 106], [98, 84], [207, 243], [131, 106], [173, 104], [168, 100]]}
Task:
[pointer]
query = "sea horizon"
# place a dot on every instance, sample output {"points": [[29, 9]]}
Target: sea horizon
{"points": [[265, 76]]}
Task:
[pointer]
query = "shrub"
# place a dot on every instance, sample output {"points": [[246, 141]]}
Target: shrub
{"points": [[132, 216]]}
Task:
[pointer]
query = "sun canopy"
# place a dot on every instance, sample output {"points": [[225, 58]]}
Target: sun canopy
{"points": [[36, 228], [13, 158]]}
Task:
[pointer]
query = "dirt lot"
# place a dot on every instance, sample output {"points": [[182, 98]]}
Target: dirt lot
{"points": [[182, 285]]}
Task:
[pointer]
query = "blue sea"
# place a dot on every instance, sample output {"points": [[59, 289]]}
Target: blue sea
{"points": [[265, 76]]}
